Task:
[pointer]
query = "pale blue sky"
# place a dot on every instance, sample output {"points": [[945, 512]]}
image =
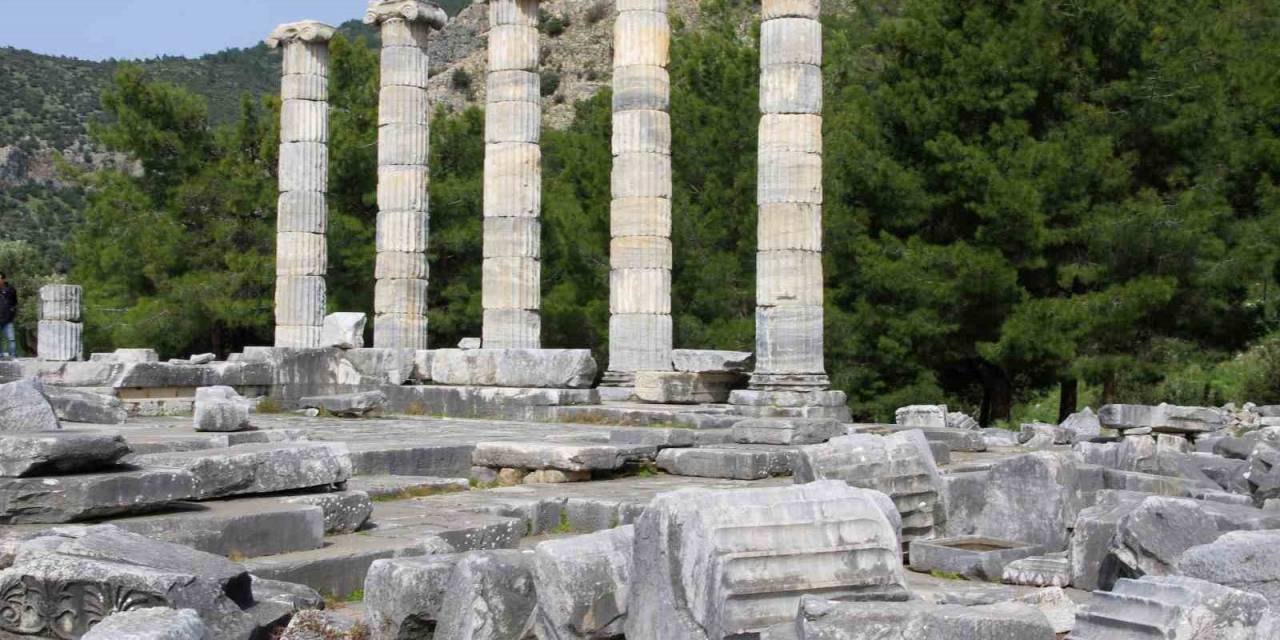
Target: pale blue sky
{"points": [[126, 29]]}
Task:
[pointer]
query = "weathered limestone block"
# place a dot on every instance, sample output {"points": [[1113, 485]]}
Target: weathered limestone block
{"points": [[400, 264], [1174, 607], [513, 168], [515, 237], [683, 387], [155, 623], [220, 409], [403, 296], [789, 177], [58, 452], [706, 360], [565, 457], [922, 415], [714, 564], [512, 86], [899, 465], [641, 87], [403, 144], [786, 431], [790, 41], [642, 341], [403, 596], [1238, 559], [304, 87], [343, 330], [348, 405], [514, 328], [1150, 538], [789, 339], [789, 278], [641, 131], [24, 407], [68, 584], [789, 225], [513, 122], [59, 341], [404, 66], [720, 462], [60, 302], [490, 596], [259, 468], [583, 585], [513, 47], [512, 282], [791, 88], [76, 405], [538, 368], [640, 252], [975, 557], [821, 619], [300, 301], [344, 511], [1165, 418], [641, 38], [1038, 571], [642, 175], [403, 105], [304, 166], [409, 331], [640, 291], [791, 133], [96, 495], [1031, 498], [1082, 425]]}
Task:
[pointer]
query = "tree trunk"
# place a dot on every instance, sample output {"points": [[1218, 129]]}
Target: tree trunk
{"points": [[997, 396], [1068, 398], [1110, 389]]}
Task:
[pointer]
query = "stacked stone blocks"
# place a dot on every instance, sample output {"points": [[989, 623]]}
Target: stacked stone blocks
{"points": [[400, 294], [60, 333], [302, 215], [640, 330], [511, 293], [789, 341]]}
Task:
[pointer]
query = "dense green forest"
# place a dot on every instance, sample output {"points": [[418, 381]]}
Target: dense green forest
{"points": [[1030, 205]]}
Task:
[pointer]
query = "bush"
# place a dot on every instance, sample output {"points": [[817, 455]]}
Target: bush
{"points": [[461, 81], [550, 82], [598, 11], [553, 26]]}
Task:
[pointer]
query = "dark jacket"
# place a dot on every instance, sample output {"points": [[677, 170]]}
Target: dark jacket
{"points": [[8, 304]]}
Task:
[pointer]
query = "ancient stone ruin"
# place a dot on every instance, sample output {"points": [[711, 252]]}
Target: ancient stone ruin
{"points": [[321, 489]]}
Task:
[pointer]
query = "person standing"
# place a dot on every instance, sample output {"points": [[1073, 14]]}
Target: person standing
{"points": [[8, 312]]}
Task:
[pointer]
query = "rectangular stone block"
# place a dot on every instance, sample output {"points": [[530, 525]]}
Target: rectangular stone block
{"points": [[641, 38], [641, 87], [60, 302], [94, 495], [514, 85], [59, 340], [640, 252], [798, 132], [512, 237], [402, 230], [790, 41], [640, 341], [565, 457], [512, 180], [789, 226], [302, 212], [513, 47], [641, 175], [304, 87], [640, 291], [403, 144], [300, 300], [512, 283], [400, 264], [405, 66], [513, 122], [512, 329], [58, 452], [640, 217], [791, 88], [789, 176], [788, 278], [583, 584], [534, 368], [305, 58], [304, 121], [400, 331], [301, 254], [259, 468], [789, 339], [786, 431], [399, 104], [685, 387], [400, 295], [304, 166], [641, 131], [245, 528], [403, 188], [514, 12]]}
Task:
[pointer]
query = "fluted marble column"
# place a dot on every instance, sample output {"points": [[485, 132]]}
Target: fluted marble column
{"points": [[512, 269], [301, 215], [640, 219], [400, 294], [789, 341]]}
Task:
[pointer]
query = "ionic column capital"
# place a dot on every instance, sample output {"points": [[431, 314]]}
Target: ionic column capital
{"points": [[380, 11], [304, 31]]}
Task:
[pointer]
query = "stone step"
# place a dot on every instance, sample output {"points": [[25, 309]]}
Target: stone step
{"points": [[259, 468], [85, 496], [564, 457], [384, 487], [244, 528], [337, 569], [400, 459], [735, 462]]}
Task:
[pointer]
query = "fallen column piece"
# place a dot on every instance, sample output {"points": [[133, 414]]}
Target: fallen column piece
{"points": [[899, 465], [714, 564], [1173, 607], [220, 409], [259, 468], [583, 584]]}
